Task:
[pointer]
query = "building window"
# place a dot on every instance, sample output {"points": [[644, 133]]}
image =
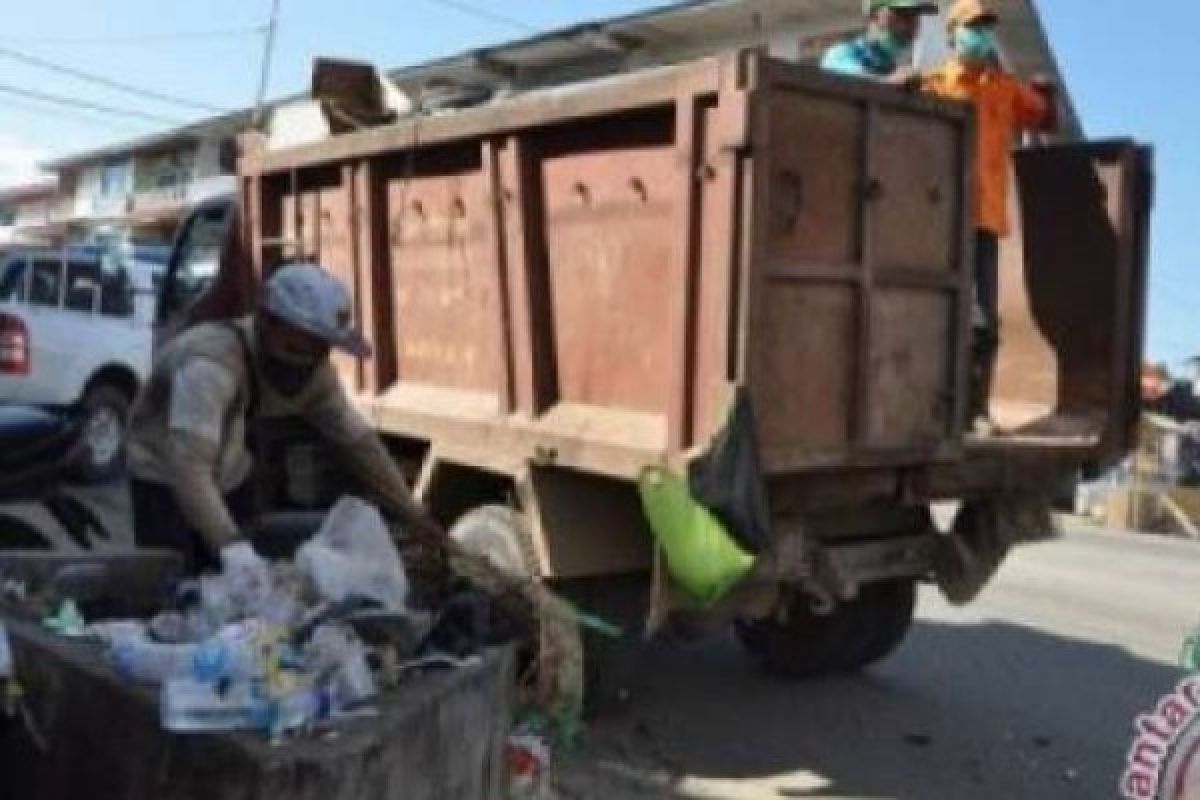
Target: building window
{"points": [[165, 170], [8, 215], [114, 179]]}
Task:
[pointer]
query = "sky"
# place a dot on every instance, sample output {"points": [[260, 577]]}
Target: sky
{"points": [[1128, 65]]}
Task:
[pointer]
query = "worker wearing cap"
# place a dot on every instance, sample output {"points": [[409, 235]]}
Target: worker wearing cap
{"points": [[1005, 106], [892, 27], [188, 455]]}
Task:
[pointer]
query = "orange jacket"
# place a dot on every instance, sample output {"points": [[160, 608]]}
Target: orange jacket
{"points": [[1004, 106]]}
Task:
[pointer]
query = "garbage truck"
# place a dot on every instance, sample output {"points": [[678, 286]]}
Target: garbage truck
{"points": [[569, 286]]}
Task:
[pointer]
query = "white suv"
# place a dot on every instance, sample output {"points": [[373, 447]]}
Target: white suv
{"points": [[75, 333]]}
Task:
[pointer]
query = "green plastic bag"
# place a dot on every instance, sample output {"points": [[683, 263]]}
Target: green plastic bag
{"points": [[701, 556]]}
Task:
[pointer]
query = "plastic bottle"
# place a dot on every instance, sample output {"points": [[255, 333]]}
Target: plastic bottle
{"points": [[144, 661], [190, 706], [294, 711], [231, 655]]}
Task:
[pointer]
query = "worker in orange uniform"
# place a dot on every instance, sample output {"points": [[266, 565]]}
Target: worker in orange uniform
{"points": [[1005, 107]]}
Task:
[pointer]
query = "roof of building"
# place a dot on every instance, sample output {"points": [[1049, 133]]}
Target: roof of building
{"points": [[687, 29], [31, 190], [231, 123]]}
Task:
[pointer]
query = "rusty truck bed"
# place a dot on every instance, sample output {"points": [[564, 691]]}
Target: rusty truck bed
{"points": [[581, 277]]}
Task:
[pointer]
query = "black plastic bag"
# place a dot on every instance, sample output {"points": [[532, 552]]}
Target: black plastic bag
{"points": [[727, 480]]}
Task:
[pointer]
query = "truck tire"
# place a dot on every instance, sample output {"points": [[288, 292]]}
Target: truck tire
{"points": [[105, 412], [857, 634]]}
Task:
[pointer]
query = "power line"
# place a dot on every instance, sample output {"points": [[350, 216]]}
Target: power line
{"points": [[109, 83], [150, 38], [87, 105], [472, 10], [59, 112]]}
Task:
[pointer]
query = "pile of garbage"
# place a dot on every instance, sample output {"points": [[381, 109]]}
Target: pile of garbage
{"points": [[329, 632]]}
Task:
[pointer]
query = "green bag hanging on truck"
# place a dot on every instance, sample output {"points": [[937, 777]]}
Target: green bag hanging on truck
{"points": [[701, 556]]}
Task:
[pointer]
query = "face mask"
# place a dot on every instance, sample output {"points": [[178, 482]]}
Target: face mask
{"points": [[286, 376], [974, 44], [889, 42]]}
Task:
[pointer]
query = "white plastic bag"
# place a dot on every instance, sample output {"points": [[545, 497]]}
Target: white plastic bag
{"points": [[353, 555], [336, 651]]}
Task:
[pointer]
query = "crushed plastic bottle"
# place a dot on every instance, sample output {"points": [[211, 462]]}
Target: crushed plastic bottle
{"points": [[293, 711], [144, 661], [234, 654], [191, 706]]}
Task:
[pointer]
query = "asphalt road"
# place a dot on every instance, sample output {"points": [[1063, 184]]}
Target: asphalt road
{"points": [[1030, 693]]}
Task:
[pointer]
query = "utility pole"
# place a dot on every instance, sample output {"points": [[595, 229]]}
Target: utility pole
{"points": [[268, 53]]}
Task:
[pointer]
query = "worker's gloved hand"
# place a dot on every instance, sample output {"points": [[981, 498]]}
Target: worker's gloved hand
{"points": [[249, 576], [906, 78]]}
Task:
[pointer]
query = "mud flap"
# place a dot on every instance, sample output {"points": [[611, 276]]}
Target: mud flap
{"points": [[985, 531]]}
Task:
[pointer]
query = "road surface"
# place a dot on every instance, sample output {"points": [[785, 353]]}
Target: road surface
{"points": [[1030, 693]]}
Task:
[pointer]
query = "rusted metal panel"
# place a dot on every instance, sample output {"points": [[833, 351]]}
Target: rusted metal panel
{"points": [[609, 216], [443, 272], [719, 174], [584, 525], [374, 296], [493, 168], [805, 405], [1085, 225], [816, 153], [858, 330], [531, 340], [640, 251], [685, 278], [653, 88], [916, 161], [910, 369]]}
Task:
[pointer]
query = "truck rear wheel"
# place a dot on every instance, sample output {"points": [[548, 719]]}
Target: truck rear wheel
{"points": [[800, 643]]}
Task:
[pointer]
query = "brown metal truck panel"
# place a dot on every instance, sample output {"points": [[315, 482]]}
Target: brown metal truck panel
{"points": [[581, 276], [860, 274], [1074, 293]]}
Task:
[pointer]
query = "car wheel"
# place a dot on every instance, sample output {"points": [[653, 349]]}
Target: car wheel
{"points": [[105, 423]]}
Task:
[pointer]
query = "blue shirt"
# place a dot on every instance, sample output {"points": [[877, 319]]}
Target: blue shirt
{"points": [[859, 58]]}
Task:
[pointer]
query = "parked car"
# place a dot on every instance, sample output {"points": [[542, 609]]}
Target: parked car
{"points": [[75, 334]]}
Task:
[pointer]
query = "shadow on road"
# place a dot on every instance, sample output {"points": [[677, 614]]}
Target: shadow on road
{"points": [[982, 711]]}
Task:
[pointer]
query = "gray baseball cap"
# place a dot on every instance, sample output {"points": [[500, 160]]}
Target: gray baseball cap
{"points": [[309, 298]]}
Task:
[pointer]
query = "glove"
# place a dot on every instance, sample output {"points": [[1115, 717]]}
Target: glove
{"points": [[248, 576]]}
